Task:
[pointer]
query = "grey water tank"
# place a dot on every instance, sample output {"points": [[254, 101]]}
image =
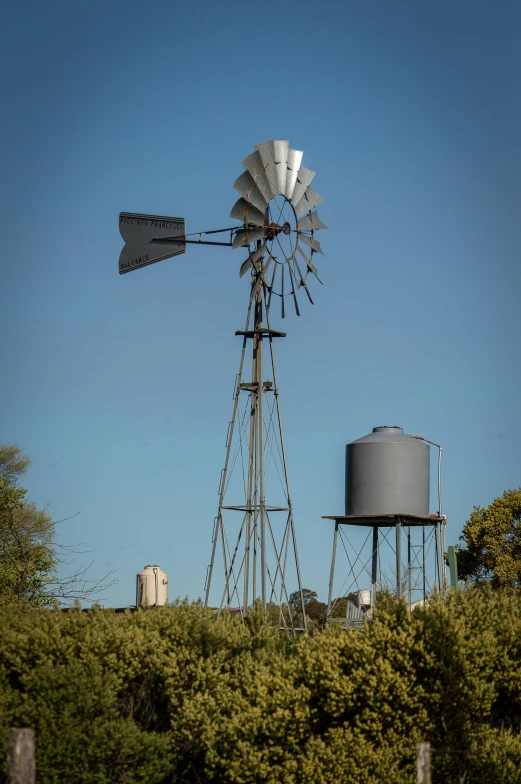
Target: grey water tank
{"points": [[387, 472]]}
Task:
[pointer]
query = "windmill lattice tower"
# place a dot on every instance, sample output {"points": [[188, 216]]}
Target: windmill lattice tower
{"points": [[254, 537]]}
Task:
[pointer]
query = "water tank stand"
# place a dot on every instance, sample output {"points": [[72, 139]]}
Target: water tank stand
{"points": [[413, 579]]}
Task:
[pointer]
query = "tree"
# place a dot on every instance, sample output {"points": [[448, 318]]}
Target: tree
{"points": [[13, 463], [316, 611], [27, 560], [29, 553], [492, 542], [307, 595]]}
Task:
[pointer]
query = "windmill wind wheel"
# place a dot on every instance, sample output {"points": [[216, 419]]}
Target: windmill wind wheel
{"points": [[277, 211]]}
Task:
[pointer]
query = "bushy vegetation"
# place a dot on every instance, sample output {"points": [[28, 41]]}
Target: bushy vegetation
{"points": [[176, 695], [491, 542]]}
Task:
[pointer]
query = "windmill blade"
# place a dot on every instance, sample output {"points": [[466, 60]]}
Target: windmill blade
{"points": [[260, 279], [245, 184], [297, 311], [311, 221], [313, 243], [271, 287], [283, 311], [253, 163], [304, 178], [309, 263], [252, 258], [294, 160], [274, 156], [245, 212], [246, 236], [309, 200], [302, 279]]}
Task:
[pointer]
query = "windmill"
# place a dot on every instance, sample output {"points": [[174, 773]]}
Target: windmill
{"points": [[253, 554]]}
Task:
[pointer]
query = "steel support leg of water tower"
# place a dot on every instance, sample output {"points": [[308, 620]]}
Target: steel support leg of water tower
{"points": [[409, 577], [374, 566], [398, 559], [439, 558], [332, 573], [423, 565], [443, 535]]}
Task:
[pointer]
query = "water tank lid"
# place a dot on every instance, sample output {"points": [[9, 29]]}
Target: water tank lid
{"points": [[387, 434]]}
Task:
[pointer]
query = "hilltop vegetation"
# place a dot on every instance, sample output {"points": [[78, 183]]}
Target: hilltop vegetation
{"points": [[175, 695]]}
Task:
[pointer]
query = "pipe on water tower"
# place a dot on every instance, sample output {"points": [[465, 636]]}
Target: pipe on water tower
{"points": [[442, 574]]}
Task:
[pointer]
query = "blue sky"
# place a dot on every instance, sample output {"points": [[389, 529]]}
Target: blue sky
{"points": [[119, 387]]}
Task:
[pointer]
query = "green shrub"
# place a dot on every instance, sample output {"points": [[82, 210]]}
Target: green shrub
{"points": [[177, 695]]}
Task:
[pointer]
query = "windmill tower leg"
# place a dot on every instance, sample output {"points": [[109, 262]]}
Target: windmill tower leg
{"points": [[260, 446], [218, 529], [260, 557], [290, 522]]}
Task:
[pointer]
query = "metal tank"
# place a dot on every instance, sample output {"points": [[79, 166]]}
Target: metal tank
{"points": [[387, 473], [151, 587]]}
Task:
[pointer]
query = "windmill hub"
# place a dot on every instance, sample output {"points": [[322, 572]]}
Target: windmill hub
{"points": [[271, 230]]}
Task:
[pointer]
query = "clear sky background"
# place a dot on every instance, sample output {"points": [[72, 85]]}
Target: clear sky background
{"points": [[120, 387]]}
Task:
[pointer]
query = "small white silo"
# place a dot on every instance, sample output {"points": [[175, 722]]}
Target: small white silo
{"points": [[151, 587], [362, 598]]}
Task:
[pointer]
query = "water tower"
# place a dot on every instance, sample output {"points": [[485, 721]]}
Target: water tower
{"points": [[388, 538]]}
